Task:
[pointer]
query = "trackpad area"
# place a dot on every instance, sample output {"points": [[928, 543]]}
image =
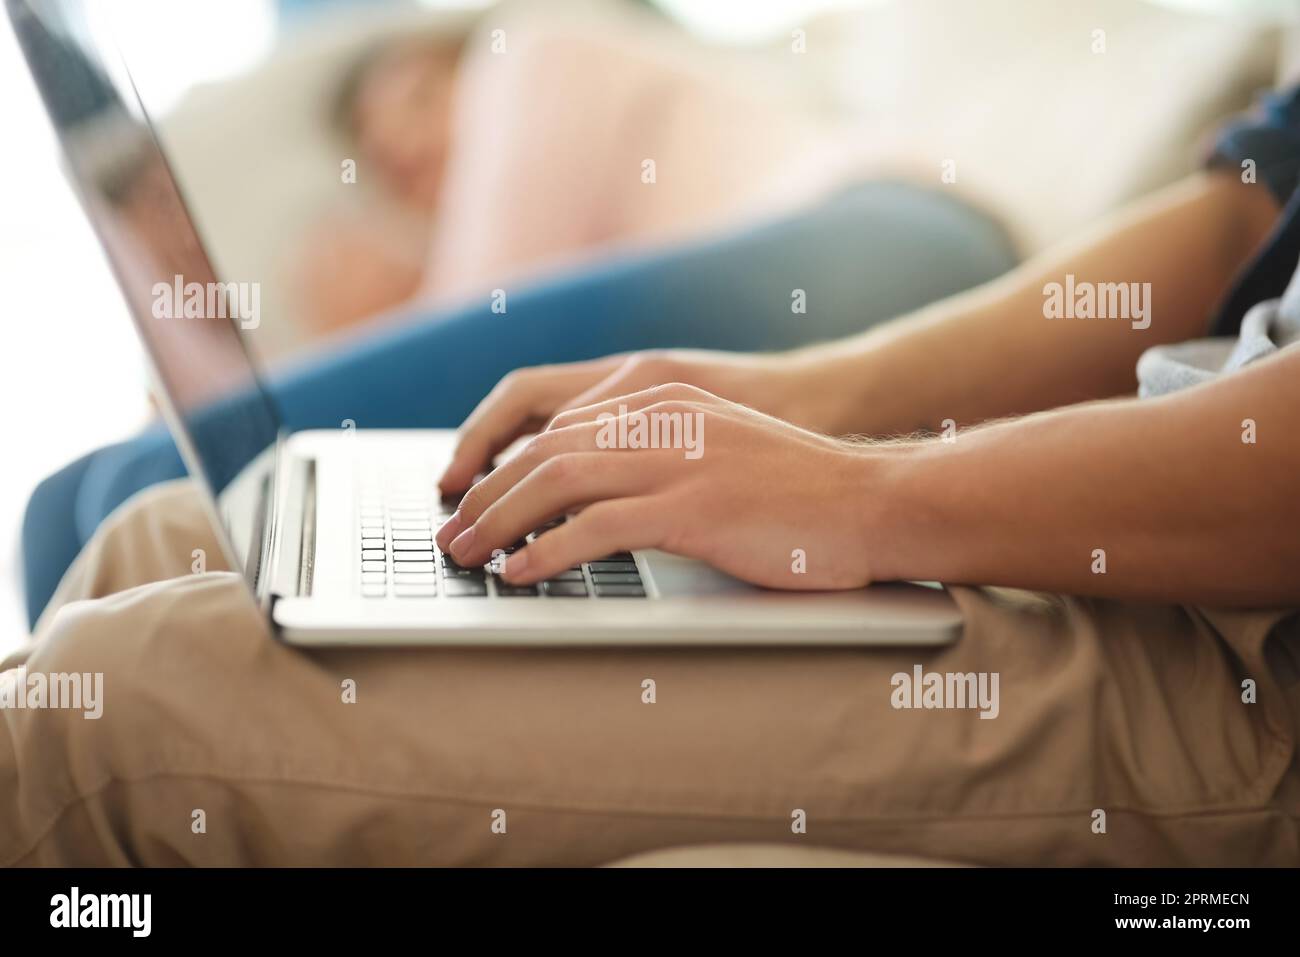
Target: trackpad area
{"points": [[675, 577]]}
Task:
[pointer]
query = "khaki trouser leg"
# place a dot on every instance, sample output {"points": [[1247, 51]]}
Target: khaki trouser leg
{"points": [[1131, 710]]}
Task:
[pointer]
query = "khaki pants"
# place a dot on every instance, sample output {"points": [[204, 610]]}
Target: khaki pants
{"points": [[552, 757]]}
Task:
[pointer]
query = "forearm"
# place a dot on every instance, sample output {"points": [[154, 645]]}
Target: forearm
{"points": [[1182, 508], [991, 352]]}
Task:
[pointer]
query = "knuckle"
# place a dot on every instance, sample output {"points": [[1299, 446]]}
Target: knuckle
{"points": [[561, 419], [561, 469], [671, 406], [518, 380], [510, 380], [472, 502], [538, 447], [546, 445], [650, 361], [665, 391], [486, 522]]}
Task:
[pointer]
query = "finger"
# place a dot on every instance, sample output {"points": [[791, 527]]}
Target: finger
{"points": [[638, 371], [578, 438], [521, 402], [551, 489], [601, 529], [635, 402]]}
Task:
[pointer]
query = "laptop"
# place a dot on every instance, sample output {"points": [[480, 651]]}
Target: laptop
{"points": [[333, 529]]}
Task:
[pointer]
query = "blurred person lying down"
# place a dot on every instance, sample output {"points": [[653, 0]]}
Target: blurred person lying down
{"points": [[501, 162]]}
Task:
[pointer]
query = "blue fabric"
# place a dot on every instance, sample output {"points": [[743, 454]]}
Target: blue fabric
{"points": [[867, 254], [1270, 137]]}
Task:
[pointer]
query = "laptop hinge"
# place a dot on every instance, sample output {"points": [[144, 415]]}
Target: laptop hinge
{"points": [[307, 552], [293, 530]]}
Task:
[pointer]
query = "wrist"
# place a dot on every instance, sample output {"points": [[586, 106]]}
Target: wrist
{"points": [[896, 520], [829, 390]]}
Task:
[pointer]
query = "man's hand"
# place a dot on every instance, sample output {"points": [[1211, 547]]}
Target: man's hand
{"points": [[759, 498], [525, 400]]}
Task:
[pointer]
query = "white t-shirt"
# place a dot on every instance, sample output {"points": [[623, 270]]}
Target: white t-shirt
{"points": [[1266, 328]]}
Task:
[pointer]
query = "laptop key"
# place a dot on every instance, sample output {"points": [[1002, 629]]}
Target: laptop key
{"points": [[619, 591], [374, 591], [404, 556], [415, 591], [373, 566], [464, 574], [373, 578], [515, 591], [608, 566], [615, 578], [415, 568], [464, 587], [452, 570], [415, 578], [572, 575], [565, 589]]}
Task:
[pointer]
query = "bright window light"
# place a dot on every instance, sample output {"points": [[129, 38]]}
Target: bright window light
{"points": [[751, 21], [172, 46]]}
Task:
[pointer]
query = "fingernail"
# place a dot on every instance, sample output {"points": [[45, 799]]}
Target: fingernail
{"points": [[450, 529], [460, 545], [516, 564]]}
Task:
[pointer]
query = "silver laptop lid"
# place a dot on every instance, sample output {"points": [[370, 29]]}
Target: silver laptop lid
{"points": [[219, 413]]}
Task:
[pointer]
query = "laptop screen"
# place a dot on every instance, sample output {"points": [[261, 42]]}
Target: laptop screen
{"points": [[189, 321]]}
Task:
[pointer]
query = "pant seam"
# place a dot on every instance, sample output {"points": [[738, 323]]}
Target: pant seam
{"points": [[625, 811]]}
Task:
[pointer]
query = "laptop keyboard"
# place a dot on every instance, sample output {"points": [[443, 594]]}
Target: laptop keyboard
{"points": [[397, 520]]}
